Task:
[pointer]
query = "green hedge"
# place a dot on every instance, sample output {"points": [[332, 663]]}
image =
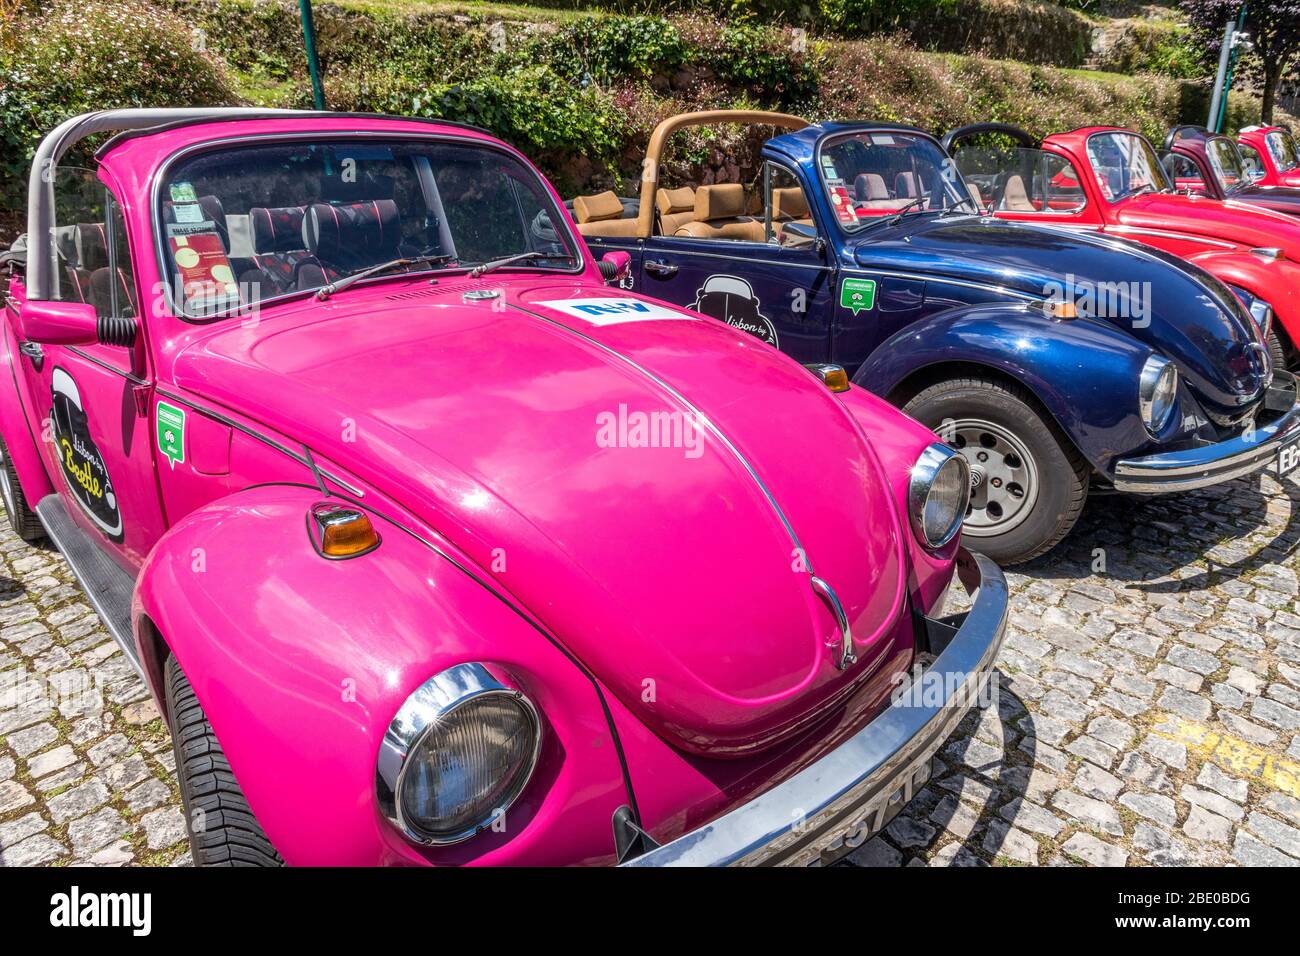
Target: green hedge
{"points": [[91, 54], [579, 95]]}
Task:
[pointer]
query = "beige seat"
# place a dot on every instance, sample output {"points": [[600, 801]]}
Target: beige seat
{"points": [[789, 203], [602, 215], [719, 214], [676, 208], [1014, 196]]}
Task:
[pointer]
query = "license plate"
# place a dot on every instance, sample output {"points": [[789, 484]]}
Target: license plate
{"points": [[868, 819], [1288, 458]]}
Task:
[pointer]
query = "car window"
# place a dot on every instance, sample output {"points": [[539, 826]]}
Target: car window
{"points": [[1251, 161], [90, 259], [247, 223], [1282, 148], [1225, 162], [1184, 172], [1021, 180], [873, 174], [787, 215], [1124, 164]]}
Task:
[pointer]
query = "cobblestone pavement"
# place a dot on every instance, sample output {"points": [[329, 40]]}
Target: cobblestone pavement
{"points": [[1149, 710]]}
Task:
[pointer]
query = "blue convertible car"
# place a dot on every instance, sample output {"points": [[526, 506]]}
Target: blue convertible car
{"points": [[1056, 362]]}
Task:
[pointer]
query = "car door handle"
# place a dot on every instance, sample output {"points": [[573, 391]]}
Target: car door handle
{"points": [[661, 269]]}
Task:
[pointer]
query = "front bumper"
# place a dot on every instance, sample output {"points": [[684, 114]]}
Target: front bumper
{"points": [[1220, 461], [846, 797]]}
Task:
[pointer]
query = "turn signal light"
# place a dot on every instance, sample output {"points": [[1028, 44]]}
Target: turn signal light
{"points": [[342, 532], [1060, 308], [833, 376]]}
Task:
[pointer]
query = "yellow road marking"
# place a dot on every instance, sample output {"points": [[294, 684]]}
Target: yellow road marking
{"points": [[1234, 755]]}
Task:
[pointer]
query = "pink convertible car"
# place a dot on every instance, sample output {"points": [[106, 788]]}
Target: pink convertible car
{"points": [[436, 547]]}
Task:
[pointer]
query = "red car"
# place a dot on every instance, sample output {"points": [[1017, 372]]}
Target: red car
{"points": [[1110, 180], [1210, 164], [1271, 155]]}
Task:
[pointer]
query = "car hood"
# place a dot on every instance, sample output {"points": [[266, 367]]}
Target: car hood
{"points": [[1285, 199], [1230, 220], [525, 434], [1181, 311]]}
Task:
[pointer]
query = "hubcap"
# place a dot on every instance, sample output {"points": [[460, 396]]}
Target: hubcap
{"points": [[1003, 476], [5, 489]]}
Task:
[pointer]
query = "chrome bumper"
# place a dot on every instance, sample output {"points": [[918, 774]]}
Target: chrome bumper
{"points": [[1221, 461], [846, 797]]}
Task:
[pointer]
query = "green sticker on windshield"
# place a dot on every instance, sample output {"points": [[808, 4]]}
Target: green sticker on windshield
{"points": [[171, 433], [183, 192], [858, 295]]}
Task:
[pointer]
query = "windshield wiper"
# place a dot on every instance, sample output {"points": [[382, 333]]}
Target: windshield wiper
{"points": [[325, 291], [486, 267], [964, 201], [895, 218]]}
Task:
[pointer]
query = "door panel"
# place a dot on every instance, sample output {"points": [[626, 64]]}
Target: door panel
{"points": [[92, 401], [779, 295]]}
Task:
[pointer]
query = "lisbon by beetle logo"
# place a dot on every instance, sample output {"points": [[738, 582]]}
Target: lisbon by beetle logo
{"points": [[80, 460], [732, 300]]}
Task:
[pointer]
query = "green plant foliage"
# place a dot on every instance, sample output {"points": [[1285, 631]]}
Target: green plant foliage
{"points": [[89, 55]]}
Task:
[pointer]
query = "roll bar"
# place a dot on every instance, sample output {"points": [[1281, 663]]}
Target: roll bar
{"points": [[1023, 138], [40, 185], [654, 151]]}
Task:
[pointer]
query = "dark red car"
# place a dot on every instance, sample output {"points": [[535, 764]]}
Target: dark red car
{"points": [[1210, 164], [1110, 180], [1271, 155]]}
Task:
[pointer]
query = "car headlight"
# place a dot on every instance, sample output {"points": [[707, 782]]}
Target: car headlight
{"points": [[458, 753], [1157, 389], [938, 493]]}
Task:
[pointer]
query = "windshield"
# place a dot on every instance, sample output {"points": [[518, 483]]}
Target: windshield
{"points": [[871, 174], [1226, 162], [1015, 179], [1283, 150], [245, 224], [1125, 165]]}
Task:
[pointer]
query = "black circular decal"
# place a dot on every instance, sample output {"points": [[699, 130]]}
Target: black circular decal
{"points": [[80, 459], [732, 300]]}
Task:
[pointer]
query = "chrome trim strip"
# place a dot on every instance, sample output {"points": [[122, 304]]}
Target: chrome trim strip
{"points": [[434, 701], [696, 411], [827, 594], [1222, 461], [650, 250], [1167, 234], [718, 433], [848, 795], [269, 442], [964, 283]]}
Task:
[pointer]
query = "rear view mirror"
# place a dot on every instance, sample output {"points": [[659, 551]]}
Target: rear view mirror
{"points": [[59, 323], [615, 266]]}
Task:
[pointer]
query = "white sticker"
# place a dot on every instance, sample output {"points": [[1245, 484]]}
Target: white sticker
{"points": [[882, 139], [614, 311], [187, 212]]}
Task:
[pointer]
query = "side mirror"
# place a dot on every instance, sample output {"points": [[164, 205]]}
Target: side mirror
{"points": [[59, 323], [615, 266]]}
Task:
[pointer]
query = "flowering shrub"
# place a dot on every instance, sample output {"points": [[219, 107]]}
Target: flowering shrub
{"points": [[88, 55]]}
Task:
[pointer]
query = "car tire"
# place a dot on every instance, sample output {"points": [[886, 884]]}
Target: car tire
{"points": [[1029, 482], [1276, 350], [21, 517], [222, 828]]}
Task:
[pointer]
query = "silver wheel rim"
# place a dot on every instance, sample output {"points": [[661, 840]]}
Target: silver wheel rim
{"points": [[1003, 476]]}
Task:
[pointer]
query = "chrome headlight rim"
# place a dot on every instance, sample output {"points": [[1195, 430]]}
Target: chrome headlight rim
{"points": [[435, 700], [1156, 369], [1262, 313], [933, 458]]}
